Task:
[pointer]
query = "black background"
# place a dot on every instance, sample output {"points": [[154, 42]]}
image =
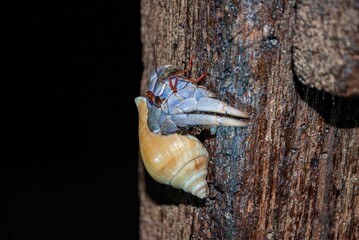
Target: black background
{"points": [[69, 74]]}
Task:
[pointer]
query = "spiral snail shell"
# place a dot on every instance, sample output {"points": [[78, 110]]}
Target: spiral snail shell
{"points": [[177, 160]]}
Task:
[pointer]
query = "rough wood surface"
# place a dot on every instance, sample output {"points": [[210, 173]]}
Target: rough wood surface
{"points": [[294, 173], [326, 45]]}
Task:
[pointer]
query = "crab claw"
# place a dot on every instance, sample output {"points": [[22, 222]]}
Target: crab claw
{"points": [[192, 105], [183, 120], [212, 105], [209, 112]]}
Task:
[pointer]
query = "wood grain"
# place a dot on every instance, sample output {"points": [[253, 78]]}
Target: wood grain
{"points": [[293, 173], [326, 45]]}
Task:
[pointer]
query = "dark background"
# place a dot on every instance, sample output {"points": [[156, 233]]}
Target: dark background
{"points": [[69, 74]]}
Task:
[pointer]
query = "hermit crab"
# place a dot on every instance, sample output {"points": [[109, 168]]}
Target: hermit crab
{"points": [[173, 104]]}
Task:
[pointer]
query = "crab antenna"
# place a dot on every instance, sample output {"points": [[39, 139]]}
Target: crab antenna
{"points": [[154, 54]]}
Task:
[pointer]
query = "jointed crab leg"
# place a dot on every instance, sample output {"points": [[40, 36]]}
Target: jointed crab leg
{"points": [[177, 75]]}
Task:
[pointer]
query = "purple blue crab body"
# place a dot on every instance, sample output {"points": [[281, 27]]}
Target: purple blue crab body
{"points": [[190, 105]]}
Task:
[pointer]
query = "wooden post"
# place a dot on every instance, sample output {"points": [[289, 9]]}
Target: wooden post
{"points": [[326, 45], [294, 172]]}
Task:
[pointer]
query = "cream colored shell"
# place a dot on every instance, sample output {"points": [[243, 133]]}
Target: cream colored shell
{"points": [[180, 161]]}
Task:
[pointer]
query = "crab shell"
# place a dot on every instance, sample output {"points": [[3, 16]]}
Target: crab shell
{"points": [[180, 161]]}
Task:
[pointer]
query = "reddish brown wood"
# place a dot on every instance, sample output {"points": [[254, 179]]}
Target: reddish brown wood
{"points": [[292, 174]]}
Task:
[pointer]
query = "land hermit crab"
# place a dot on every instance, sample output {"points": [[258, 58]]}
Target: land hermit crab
{"points": [[174, 103]]}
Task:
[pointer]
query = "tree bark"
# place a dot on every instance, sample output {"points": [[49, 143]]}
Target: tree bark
{"points": [[294, 172]]}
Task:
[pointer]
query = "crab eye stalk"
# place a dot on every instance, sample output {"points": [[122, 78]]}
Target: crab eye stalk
{"points": [[156, 100]]}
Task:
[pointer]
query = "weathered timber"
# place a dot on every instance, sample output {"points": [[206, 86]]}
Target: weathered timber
{"points": [[326, 45], [294, 172]]}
